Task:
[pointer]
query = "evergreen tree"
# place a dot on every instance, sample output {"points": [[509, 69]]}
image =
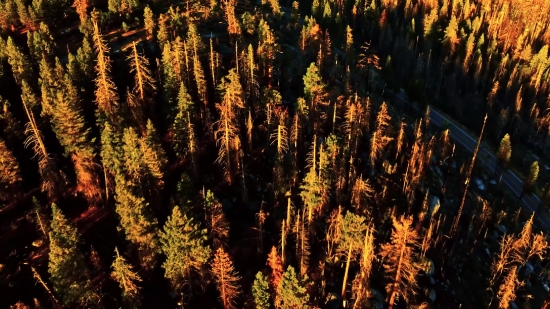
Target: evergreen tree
{"points": [[504, 153], [70, 128], [111, 156], [183, 243], [216, 221], [20, 65], [291, 293], [529, 184], [149, 21], [136, 220], [106, 96], [35, 140], [227, 279], [399, 260], [127, 279], [260, 291], [144, 82], [10, 178], [66, 265], [227, 135]]}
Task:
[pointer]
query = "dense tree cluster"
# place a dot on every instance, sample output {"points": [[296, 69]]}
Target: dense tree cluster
{"points": [[251, 152]]}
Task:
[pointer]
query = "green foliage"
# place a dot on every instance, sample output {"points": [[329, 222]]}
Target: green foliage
{"points": [[314, 87], [183, 243], [10, 178], [20, 65], [352, 233], [149, 21], [126, 279], [504, 151], [136, 220], [260, 291], [530, 182], [291, 293], [66, 265]]}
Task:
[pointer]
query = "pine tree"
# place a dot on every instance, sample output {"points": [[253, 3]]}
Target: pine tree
{"points": [[70, 128], [127, 279], [106, 96], [291, 293], [379, 139], [144, 82], [20, 65], [227, 279], [182, 140], [508, 288], [274, 262], [66, 265], [234, 27], [361, 281], [183, 244], [227, 126], [111, 156], [216, 221], [399, 263], [81, 8], [136, 220], [153, 155], [10, 178], [85, 60], [149, 21], [529, 184], [314, 90], [260, 291], [504, 153], [36, 141]]}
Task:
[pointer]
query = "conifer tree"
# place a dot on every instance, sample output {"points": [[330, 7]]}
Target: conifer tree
{"points": [[504, 153], [20, 65], [508, 288], [106, 95], [66, 265], [233, 27], [216, 221], [227, 279], [144, 82], [183, 244], [274, 262], [36, 141], [184, 136], [291, 293], [111, 156], [81, 8], [127, 279], [149, 21], [70, 128], [136, 220], [169, 77], [227, 126], [10, 178], [398, 258], [314, 92], [260, 291], [530, 182], [379, 139], [361, 281]]}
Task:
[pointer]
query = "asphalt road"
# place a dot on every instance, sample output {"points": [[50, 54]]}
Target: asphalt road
{"points": [[511, 180]]}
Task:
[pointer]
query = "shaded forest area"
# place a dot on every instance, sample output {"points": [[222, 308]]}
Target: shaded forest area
{"points": [[234, 154]]}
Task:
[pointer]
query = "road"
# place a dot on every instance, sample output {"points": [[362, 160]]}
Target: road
{"points": [[509, 178]]}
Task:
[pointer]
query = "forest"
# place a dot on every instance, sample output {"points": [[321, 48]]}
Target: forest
{"points": [[273, 154]]}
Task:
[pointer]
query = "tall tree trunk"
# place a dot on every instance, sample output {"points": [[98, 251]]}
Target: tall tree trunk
{"points": [[457, 219], [398, 272], [346, 273]]}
